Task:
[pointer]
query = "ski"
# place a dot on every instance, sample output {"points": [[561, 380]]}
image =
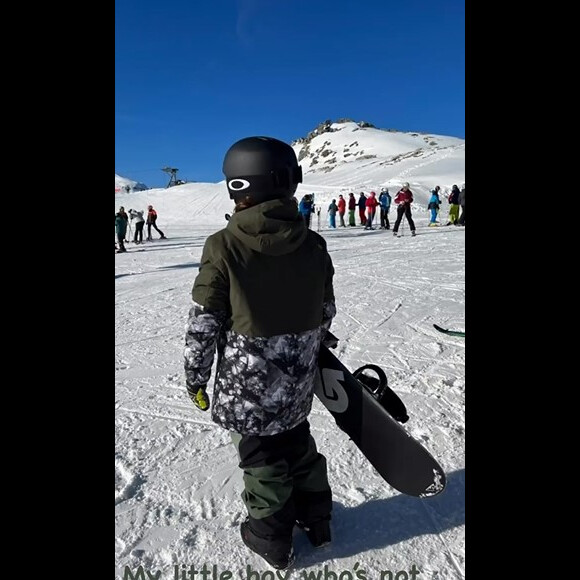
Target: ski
{"points": [[449, 332]]}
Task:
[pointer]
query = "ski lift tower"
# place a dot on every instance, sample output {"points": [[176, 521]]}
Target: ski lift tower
{"points": [[173, 176]]}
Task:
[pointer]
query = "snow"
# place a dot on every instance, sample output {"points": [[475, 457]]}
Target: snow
{"points": [[177, 481]]}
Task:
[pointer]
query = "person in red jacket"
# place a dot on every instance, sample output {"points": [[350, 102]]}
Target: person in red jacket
{"points": [[152, 223], [341, 210], [403, 200], [371, 205]]}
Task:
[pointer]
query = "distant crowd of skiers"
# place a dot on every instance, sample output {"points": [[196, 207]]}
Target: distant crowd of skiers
{"points": [[367, 207], [456, 200], [122, 221]]}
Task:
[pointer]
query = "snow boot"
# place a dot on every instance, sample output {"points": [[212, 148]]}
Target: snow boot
{"points": [[318, 532], [277, 552]]}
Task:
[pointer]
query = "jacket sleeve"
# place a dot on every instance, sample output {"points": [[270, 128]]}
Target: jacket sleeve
{"points": [[203, 328], [329, 305], [206, 320]]}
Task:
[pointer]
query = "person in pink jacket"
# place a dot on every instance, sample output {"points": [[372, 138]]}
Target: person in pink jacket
{"points": [[371, 205], [403, 200]]}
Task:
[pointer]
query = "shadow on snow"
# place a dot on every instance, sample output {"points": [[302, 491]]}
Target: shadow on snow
{"points": [[174, 267], [376, 524]]}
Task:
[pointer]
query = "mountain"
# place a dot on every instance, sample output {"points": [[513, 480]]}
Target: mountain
{"points": [[121, 184], [357, 156]]}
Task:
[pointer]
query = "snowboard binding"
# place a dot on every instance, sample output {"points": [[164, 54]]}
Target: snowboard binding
{"points": [[379, 388]]}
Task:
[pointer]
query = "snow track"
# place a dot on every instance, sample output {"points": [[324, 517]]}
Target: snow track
{"points": [[177, 481]]}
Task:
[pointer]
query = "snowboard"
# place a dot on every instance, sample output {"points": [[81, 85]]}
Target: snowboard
{"points": [[398, 458]]}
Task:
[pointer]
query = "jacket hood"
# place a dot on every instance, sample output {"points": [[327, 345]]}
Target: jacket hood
{"points": [[273, 227]]}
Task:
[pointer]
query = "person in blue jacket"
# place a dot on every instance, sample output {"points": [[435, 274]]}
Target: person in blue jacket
{"points": [[306, 207], [434, 204], [362, 208], [332, 209], [385, 203]]}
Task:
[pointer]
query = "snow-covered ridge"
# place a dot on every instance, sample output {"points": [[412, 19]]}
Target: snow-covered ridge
{"points": [[125, 185]]}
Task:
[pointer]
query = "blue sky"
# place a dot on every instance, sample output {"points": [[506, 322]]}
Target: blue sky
{"points": [[193, 77]]}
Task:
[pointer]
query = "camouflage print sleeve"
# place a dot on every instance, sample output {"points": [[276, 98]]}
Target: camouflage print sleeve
{"points": [[203, 328]]}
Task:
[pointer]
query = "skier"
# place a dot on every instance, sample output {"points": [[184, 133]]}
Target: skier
{"points": [[121, 221], [404, 199], [461, 220], [306, 208], [433, 206], [385, 203], [362, 204], [341, 210], [152, 222], [139, 223], [332, 209], [453, 200], [351, 209], [371, 205], [245, 305]]}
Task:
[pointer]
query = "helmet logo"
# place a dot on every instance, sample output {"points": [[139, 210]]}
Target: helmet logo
{"points": [[238, 184]]}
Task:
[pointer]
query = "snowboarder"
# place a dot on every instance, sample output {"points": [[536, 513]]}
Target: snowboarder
{"points": [[152, 222], [121, 221], [139, 223], [245, 305], [404, 199]]}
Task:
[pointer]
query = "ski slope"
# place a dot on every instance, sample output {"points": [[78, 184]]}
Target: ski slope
{"points": [[177, 481]]}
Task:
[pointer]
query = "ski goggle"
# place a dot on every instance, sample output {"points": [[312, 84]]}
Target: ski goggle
{"points": [[273, 181]]}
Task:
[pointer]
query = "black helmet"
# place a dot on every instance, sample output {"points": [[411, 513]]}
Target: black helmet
{"points": [[262, 168]]}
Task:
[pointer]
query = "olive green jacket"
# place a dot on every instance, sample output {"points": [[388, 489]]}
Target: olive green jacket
{"points": [[264, 294]]}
